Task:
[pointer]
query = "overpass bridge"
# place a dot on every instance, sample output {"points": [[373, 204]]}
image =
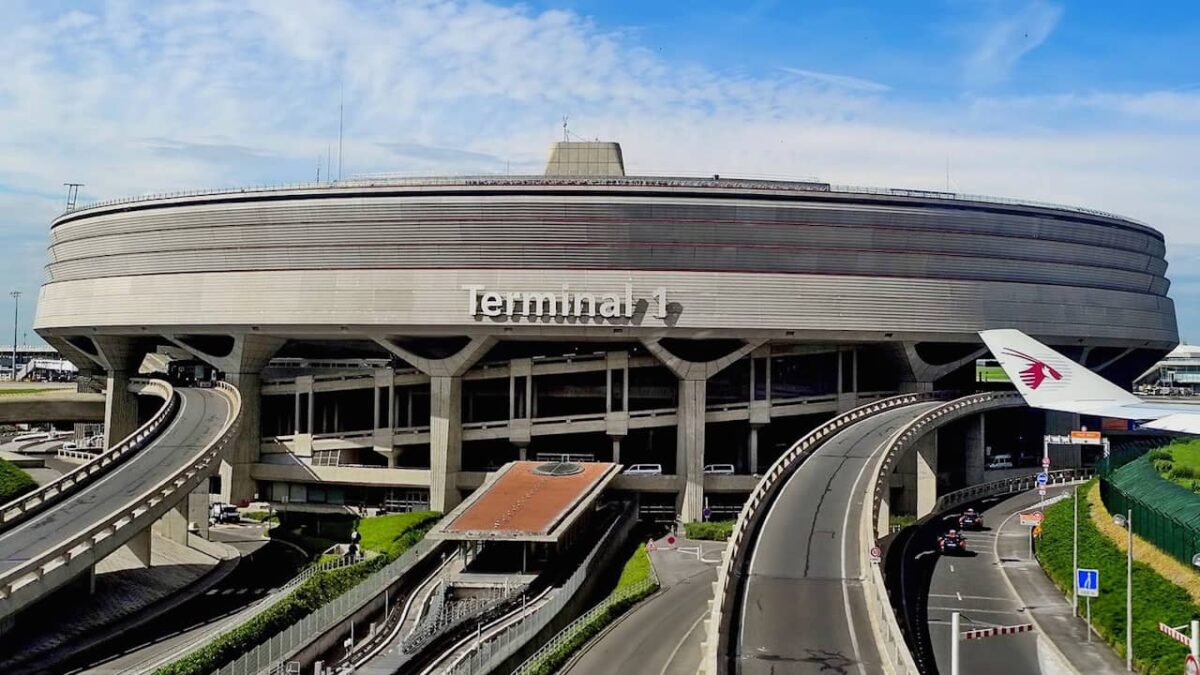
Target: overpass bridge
{"points": [[59, 532]]}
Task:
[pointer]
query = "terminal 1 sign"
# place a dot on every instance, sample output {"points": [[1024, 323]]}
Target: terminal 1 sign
{"points": [[564, 304]]}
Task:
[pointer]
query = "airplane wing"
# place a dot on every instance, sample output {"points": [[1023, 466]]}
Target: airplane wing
{"points": [[1049, 380]]}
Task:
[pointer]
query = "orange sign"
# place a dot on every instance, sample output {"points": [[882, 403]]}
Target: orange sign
{"points": [[1085, 435]]}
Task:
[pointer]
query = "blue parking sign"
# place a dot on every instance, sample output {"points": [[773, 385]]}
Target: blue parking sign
{"points": [[1087, 583]]}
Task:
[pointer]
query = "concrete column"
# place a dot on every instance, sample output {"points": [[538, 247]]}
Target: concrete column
{"points": [[120, 408], [974, 460], [752, 460], [384, 434], [883, 526], [139, 545], [926, 452], [296, 430], [445, 441], [689, 449], [243, 452], [616, 448], [174, 523]]}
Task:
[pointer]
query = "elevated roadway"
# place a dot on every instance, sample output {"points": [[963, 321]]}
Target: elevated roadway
{"points": [[56, 405], [804, 609], [67, 537]]}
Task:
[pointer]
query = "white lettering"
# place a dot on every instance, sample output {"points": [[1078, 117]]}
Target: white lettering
{"points": [[510, 301], [541, 300], [472, 296], [660, 294], [611, 307], [629, 301], [490, 304], [591, 303]]}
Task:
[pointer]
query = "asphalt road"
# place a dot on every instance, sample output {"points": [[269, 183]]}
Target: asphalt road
{"points": [[201, 414], [661, 636], [804, 610], [974, 585]]}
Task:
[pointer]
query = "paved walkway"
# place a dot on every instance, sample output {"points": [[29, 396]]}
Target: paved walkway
{"points": [[662, 635], [1049, 609]]}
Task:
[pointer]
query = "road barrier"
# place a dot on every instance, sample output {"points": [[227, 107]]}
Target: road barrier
{"points": [[1006, 486], [51, 493], [730, 575], [28, 581]]}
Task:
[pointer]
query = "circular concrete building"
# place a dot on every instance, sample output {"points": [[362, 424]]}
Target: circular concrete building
{"points": [[402, 337]]}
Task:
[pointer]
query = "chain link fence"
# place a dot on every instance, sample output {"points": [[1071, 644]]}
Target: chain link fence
{"points": [[1163, 513]]}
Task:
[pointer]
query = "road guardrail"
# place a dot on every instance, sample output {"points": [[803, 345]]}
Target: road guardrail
{"points": [[60, 488], [730, 573], [28, 581]]}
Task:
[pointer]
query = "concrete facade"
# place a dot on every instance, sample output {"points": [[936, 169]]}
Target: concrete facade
{"points": [[468, 303]]}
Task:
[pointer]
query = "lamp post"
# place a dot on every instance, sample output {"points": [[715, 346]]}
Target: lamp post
{"points": [[16, 296], [1126, 521]]}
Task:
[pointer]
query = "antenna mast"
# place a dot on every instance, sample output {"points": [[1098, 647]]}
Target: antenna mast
{"points": [[341, 118], [72, 194], [566, 133]]}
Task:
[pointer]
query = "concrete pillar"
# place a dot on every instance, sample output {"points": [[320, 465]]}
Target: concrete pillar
{"points": [[240, 455], [883, 526], [974, 460], [385, 391], [120, 408], [139, 546], [616, 449], [174, 523], [689, 449], [752, 460], [445, 441], [926, 452]]}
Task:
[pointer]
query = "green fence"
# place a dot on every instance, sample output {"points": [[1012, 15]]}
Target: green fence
{"points": [[1163, 513]]}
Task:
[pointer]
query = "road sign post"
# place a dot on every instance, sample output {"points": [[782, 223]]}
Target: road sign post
{"points": [[955, 638], [1087, 586]]}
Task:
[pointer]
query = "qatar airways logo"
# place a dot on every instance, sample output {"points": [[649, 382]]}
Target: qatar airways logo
{"points": [[1036, 372]]}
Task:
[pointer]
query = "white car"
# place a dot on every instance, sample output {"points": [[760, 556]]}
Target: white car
{"points": [[70, 445], [719, 470], [644, 470], [1000, 462]]}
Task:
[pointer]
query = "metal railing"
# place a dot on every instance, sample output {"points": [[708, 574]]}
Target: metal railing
{"points": [[574, 628], [613, 181], [514, 631], [63, 561], [55, 491], [716, 646], [1010, 485], [275, 650]]}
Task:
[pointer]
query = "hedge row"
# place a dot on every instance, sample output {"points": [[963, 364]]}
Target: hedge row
{"points": [[636, 571], [1154, 598], [315, 592], [718, 530], [13, 482]]}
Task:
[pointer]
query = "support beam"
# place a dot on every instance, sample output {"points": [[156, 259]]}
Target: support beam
{"points": [[975, 449], [243, 452], [445, 441], [752, 459], [689, 449], [926, 449], [120, 408], [139, 546], [174, 523]]}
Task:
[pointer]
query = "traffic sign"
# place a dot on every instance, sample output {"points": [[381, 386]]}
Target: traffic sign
{"points": [[1042, 478], [1046, 462], [670, 540], [1191, 666], [1085, 437], [876, 554], [1087, 583], [707, 513], [1042, 491], [1031, 518]]}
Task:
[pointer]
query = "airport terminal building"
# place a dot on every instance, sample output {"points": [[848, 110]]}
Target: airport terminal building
{"points": [[395, 340]]}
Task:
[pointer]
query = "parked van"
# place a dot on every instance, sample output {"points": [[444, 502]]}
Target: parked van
{"points": [[1000, 462], [644, 470], [719, 470]]}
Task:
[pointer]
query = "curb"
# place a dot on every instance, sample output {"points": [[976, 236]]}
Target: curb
{"points": [[587, 646]]}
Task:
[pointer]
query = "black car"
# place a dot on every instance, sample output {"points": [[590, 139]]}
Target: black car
{"points": [[952, 542], [970, 520]]}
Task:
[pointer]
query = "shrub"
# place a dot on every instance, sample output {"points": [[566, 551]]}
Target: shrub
{"points": [[1161, 453], [713, 531], [1163, 466], [14, 482], [1155, 599], [311, 595], [1182, 473]]}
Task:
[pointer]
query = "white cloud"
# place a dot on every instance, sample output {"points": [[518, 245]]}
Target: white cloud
{"points": [[1007, 39], [841, 81]]}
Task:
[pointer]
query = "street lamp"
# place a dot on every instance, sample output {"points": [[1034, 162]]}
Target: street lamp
{"points": [[1126, 521], [16, 296]]}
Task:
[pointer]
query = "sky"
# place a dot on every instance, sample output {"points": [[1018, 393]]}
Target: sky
{"points": [[1082, 103]]}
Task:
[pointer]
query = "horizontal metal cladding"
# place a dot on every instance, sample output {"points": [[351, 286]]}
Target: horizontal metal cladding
{"points": [[705, 304], [611, 232]]}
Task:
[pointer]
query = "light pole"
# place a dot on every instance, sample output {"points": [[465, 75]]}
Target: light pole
{"points": [[1126, 521], [1075, 558], [16, 296]]}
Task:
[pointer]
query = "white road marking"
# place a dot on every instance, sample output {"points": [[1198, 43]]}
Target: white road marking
{"points": [[959, 595], [679, 644], [922, 554], [951, 567]]}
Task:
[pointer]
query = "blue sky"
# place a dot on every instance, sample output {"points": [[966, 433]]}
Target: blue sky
{"points": [[1086, 103]]}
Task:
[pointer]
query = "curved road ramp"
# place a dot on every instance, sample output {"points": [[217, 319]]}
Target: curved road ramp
{"points": [[797, 592], [60, 531]]}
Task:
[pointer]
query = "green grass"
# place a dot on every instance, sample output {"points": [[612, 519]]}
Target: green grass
{"points": [[990, 374], [901, 520], [311, 595], [1154, 598], [13, 482], [717, 530], [261, 516], [380, 533], [637, 570], [1179, 463]]}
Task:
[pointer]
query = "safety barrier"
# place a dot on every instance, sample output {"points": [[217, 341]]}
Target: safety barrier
{"points": [[717, 647], [1006, 486], [889, 637], [26, 582], [515, 631], [60, 488]]}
